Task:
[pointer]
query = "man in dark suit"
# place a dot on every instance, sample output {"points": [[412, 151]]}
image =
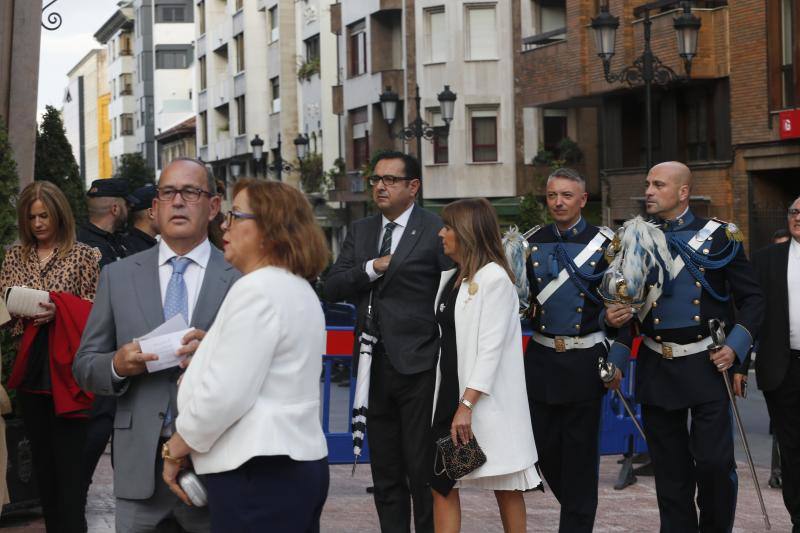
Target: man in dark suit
{"points": [[778, 362], [397, 256]]}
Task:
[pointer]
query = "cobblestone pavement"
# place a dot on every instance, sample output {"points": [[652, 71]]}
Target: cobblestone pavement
{"points": [[350, 509]]}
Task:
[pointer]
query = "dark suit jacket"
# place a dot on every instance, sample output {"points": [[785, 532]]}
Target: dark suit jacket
{"points": [[404, 296], [773, 357]]}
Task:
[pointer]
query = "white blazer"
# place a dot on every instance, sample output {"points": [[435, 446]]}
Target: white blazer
{"points": [[253, 386], [489, 344]]}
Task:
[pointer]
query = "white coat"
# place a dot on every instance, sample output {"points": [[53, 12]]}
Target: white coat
{"points": [[253, 386], [489, 344]]}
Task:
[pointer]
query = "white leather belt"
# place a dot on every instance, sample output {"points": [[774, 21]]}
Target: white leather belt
{"points": [[562, 344], [671, 350]]}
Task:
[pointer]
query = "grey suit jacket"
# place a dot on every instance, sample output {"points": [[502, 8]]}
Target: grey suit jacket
{"points": [[128, 305]]}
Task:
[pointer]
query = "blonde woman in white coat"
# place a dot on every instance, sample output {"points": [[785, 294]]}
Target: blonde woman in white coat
{"points": [[481, 380]]}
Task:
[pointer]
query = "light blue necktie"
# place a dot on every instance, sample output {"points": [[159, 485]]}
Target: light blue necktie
{"points": [[176, 302]]}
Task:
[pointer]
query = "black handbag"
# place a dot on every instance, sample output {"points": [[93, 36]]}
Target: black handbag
{"points": [[458, 460]]}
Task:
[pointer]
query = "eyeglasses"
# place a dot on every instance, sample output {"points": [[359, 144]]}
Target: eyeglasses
{"points": [[230, 216], [189, 194], [388, 180], [793, 211]]}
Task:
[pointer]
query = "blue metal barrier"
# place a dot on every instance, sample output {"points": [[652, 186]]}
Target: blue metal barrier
{"points": [[618, 435], [340, 443]]}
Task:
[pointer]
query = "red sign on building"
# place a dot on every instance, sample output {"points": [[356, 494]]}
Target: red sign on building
{"points": [[790, 124]]}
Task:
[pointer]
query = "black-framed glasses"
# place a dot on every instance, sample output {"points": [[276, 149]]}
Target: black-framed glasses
{"points": [[388, 180], [793, 211], [189, 194], [230, 216]]}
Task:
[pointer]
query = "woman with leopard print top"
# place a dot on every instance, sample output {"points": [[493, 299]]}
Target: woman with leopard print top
{"points": [[48, 258]]}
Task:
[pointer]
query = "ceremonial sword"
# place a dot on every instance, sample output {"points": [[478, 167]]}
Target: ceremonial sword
{"points": [[717, 329], [607, 371]]}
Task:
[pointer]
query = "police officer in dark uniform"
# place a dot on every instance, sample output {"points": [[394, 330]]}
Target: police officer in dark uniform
{"points": [[142, 228], [677, 375], [565, 265], [107, 206], [107, 203]]}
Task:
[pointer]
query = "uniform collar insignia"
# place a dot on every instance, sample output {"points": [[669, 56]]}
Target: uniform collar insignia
{"points": [[686, 218], [574, 230]]}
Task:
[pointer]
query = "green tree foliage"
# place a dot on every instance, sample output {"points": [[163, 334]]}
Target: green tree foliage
{"points": [[9, 189], [532, 212], [56, 164], [312, 177], [133, 168]]}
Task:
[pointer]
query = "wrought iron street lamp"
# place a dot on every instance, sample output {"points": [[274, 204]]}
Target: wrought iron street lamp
{"points": [[647, 69], [301, 146], [236, 169], [280, 165], [257, 144], [418, 129]]}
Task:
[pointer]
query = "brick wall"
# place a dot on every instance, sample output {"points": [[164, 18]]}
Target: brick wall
{"points": [[749, 99]]}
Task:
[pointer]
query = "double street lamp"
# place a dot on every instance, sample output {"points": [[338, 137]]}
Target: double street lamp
{"points": [[647, 69], [279, 165], [419, 129]]}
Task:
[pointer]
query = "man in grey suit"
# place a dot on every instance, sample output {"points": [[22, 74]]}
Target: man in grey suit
{"points": [[183, 274], [397, 256]]}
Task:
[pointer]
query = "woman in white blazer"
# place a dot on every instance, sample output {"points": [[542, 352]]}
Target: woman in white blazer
{"points": [[249, 402], [481, 380]]}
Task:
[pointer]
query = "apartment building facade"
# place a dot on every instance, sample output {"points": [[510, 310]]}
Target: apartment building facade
{"points": [[164, 83], [724, 122], [85, 114], [373, 37], [116, 34], [429, 44], [467, 46]]}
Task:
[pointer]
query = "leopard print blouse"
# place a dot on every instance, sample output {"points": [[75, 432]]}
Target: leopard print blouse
{"points": [[76, 273]]}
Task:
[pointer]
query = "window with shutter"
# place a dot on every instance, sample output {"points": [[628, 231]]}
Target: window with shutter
{"points": [[481, 32], [484, 135], [436, 35]]}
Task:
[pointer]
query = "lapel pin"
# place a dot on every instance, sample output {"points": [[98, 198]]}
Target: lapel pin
{"points": [[473, 288], [413, 232]]}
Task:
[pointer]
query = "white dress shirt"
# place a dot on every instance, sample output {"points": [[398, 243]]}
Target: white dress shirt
{"points": [[793, 286], [397, 233], [192, 276]]}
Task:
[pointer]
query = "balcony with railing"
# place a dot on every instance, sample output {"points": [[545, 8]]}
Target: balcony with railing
{"points": [[350, 187]]}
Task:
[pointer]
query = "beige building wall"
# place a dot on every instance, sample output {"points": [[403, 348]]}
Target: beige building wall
{"points": [[92, 69], [483, 85]]}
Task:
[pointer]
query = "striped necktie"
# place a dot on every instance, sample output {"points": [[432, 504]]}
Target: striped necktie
{"points": [[386, 242]]}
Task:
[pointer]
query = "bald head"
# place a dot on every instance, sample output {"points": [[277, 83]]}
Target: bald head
{"points": [[674, 170], [669, 185]]}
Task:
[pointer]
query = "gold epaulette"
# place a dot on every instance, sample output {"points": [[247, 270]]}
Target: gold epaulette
{"points": [[732, 231]]}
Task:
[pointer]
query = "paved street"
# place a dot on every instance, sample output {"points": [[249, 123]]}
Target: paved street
{"points": [[349, 508]]}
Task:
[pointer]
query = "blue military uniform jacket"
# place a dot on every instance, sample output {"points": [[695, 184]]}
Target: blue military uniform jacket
{"points": [[572, 309], [716, 282]]}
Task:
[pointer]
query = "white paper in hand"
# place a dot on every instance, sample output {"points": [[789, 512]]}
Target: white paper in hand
{"points": [[164, 341]]}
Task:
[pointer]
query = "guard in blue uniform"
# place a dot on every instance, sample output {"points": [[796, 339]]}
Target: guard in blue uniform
{"points": [[676, 374], [565, 265]]}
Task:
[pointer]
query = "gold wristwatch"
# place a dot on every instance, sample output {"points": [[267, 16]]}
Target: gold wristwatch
{"points": [[169, 458]]}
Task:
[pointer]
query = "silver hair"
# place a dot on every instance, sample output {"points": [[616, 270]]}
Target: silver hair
{"points": [[212, 183], [568, 174]]}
